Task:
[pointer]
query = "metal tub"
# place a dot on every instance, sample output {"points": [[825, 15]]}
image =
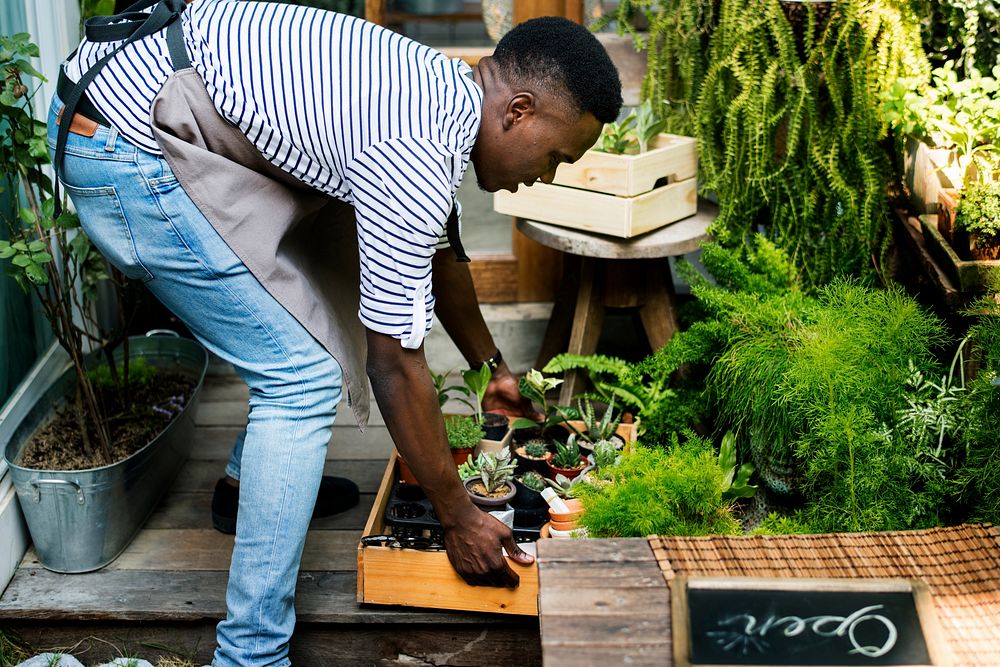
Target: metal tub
{"points": [[81, 520]]}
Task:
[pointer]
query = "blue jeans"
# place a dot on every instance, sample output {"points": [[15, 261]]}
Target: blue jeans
{"points": [[136, 213]]}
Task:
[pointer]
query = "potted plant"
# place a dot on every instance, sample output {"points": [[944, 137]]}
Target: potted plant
{"points": [[591, 429], [535, 386], [529, 491], [104, 439], [605, 454], [977, 222], [636, 180], [567, 460], [463, 435], [533, 455], [495, 425], [951, 129], [493, 487]]}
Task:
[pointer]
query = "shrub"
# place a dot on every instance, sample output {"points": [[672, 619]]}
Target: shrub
{"points": [[661, 491], [463, 431], [979, 210]]}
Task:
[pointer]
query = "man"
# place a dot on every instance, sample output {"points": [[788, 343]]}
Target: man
{"points": [[205, 146]]}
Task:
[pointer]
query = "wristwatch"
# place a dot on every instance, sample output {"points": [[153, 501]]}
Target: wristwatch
{"points": [[493, 363]]}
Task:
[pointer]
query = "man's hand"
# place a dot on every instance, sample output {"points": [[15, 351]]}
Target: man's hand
{"points": [[405, 394], [473, 545], [504, 397]]}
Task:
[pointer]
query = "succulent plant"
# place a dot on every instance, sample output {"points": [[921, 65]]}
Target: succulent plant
{"points": [[567, 456], [496, 469], [605, 453], [470, 468], [565, 487], [532, 480], [536, 449], [599, 429]]}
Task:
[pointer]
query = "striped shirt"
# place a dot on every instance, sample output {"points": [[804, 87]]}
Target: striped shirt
{"points": [[356, 111]]}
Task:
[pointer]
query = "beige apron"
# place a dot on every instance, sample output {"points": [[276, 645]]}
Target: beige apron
{"points": [[299, 243]]}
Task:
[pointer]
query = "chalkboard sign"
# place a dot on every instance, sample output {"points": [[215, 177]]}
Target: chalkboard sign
{"points": [[804, 622]]}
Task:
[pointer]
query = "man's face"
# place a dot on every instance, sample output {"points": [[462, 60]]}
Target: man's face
{"points": [[524, 140]]}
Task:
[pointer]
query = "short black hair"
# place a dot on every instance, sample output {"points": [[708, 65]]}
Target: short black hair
{"points": [[552, 48]]}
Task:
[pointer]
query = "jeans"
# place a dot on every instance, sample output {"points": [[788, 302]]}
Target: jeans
{"points": [[136, 213]]}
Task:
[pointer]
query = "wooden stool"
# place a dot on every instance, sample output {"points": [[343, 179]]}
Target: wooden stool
{"points": [[616, 273]]}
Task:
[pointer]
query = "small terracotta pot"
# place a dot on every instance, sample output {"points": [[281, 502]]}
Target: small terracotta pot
{"points": [[568, 473], [462, 455], [575, 511], [564, 525]]}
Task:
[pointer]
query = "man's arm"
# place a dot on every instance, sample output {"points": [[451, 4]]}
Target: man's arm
{"points": [[405, 394], [457, 307]]}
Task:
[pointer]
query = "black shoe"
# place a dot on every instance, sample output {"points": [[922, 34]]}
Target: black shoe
{"points": [[336, 494]]}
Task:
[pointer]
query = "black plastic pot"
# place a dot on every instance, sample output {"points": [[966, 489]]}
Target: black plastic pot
{"points": [[494, 426], [527, 499], [525, 464]]}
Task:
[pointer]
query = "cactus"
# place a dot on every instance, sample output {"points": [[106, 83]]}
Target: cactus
{"points": [[533, 481], [605, 453], [536, 450]]}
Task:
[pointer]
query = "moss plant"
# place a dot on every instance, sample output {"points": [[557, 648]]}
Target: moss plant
{"points": [[658, 491], [463, 431]]}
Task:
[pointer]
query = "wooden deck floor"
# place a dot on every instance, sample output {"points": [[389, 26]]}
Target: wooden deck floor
{"points": [[166, 592]]}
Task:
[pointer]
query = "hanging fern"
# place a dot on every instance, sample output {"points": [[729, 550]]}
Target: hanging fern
{"points": [[789, 134]]}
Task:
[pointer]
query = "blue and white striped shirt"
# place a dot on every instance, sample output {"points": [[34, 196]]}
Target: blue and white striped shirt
{"points": [[356, 111]]}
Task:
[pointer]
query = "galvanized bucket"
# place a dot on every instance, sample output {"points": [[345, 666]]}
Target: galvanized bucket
{"points": [[81, 520]]}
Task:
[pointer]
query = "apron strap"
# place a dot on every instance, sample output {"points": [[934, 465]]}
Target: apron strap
{"points": [[131, 25], [454, 237]]}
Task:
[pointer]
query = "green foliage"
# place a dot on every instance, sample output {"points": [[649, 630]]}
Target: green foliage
{"points": [[567, 456], [676, 43], [463, 431], [442, 388], [476, 382], [605, 454], [960, 115], [534, 386], [50, 256], [566, 487], [778, 524], [536, 450], [648, 125], [965, 31], [533, 481], [140, 374], [979, 209], [13, 649], [789, 132], [496, 469], [660, 491], [616, 138], [594, 428], [735, 480]]}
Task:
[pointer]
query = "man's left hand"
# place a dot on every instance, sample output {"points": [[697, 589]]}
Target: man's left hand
{"points": [[503, 397]]}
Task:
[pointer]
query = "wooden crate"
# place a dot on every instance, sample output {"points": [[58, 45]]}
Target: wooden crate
{"points": [[624, 217], [670, 157], [425, 578], [971, 276]]}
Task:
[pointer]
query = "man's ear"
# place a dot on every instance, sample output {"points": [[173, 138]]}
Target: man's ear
{"points": [[520, 107]]}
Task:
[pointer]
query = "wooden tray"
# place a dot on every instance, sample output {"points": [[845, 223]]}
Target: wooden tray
{"points": [[588, 211], [425, 578], [970, 275], [671, 158]]}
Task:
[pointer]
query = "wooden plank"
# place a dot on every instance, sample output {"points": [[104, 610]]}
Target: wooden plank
{"points": [[138, 595], [639, 653], [189, 509], [483, 644], [632, 575], [604, 629], [610, 600], [613, 550], [495, 278], [599, 213], [202, 475], [214, 443], [206, 549]]}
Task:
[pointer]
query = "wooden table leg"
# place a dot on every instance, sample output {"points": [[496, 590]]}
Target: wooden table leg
{"points": [[588, 319], [559, 328], [659, 311]]}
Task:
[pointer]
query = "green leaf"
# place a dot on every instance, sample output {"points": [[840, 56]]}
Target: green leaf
{"points": [[27, 68], [19, 245], [7, 252], [48, 207], [39, 148], [68, 220], [36, 274], [41, 257], [80, 245], [37, 246], [7, 98], [21, 260], [522, 422], [28, 216]]}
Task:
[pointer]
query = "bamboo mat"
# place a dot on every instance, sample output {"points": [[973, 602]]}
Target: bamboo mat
{"points": [[960, 565]]}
